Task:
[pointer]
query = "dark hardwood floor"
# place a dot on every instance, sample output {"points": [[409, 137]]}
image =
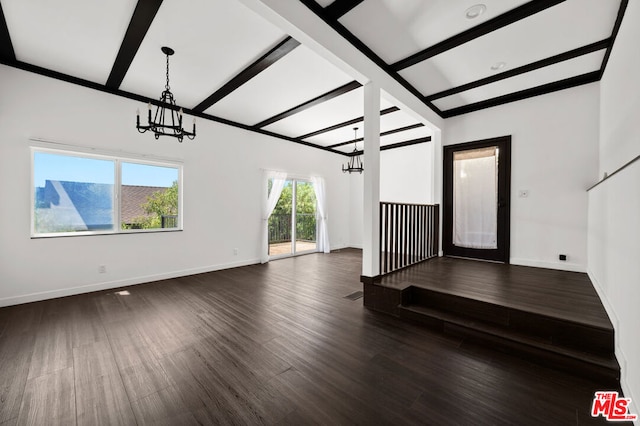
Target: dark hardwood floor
{"points": [[559, 294], [264, 344]]}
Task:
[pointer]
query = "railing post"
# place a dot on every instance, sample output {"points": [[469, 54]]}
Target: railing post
{"points": [[409, 234]]}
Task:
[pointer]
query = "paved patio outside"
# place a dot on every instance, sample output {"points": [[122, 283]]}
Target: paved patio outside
{"points": [[277, 249]]}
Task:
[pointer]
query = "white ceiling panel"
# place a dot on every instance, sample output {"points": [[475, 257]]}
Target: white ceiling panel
{"points": [[346, 149], [336, 136], [386, 140], [337, 110], [397, 29], [324, 3], [388, 122], [561, 28], [75, 37], [395, 120], [559, 71], [217, 42], [296, 78], [323, 115]]}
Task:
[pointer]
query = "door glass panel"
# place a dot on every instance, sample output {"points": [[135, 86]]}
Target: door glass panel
{"points": [[280, 223], [475, 198], [305, 217]]}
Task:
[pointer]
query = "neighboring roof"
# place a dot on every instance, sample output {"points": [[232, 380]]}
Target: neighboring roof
{"points": [[133, 198], [84, 205]]}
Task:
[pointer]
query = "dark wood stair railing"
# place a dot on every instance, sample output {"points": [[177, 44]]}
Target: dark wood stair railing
{"points": [[409, 234]]}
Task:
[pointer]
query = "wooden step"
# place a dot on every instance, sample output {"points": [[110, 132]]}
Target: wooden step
{"points": [[534, 348], [562, 332]]}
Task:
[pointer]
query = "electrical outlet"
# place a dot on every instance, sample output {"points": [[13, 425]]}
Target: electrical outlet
{"points": [[523, 193], [562, 257], [102, 269], [235, 251]]}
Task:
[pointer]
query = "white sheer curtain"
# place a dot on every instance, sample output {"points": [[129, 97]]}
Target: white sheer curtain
{"points": [[322, 239], [279, 179], [475, 198]]}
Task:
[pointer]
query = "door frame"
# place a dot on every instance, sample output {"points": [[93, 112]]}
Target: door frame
{"points": [[501, 254], [294, 192]]}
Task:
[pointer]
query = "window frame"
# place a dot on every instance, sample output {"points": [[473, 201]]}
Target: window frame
{"points": [[118, 159]]}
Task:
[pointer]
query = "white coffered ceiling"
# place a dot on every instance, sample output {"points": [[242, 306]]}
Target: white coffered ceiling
{"points": [[233, 65]]}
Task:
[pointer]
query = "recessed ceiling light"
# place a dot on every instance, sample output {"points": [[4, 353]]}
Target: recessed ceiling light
{"points": [[498, 66], [474, 11]]}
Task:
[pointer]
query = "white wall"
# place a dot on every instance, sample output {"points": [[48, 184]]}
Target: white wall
{"points": [[554, 151], [620, 97], [222, 190], [406, 176], [614, 251], [614, 222]]}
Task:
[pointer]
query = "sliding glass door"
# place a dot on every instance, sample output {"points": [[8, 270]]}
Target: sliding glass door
{"points": [[293, 224]]}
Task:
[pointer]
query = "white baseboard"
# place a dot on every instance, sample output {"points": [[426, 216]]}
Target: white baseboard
{"points": [[626, 390], [604, 299], [620, 355], [70, 291], [564, 266], [340, 247]]}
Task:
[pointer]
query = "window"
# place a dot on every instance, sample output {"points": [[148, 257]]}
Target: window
{"points": [[80, 194]]}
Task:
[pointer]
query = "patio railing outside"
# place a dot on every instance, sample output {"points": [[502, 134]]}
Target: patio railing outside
{"points": [[280, 227], [169, 220]]}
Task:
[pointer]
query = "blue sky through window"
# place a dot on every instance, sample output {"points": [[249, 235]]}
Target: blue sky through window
{"points": [[146, 175], [49, 166]]}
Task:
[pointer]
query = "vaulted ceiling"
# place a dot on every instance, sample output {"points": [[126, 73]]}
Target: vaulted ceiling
{"points": [[233, 66]]}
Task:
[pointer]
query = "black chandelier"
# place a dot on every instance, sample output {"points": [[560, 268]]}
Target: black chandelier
{"points": [[355, 163], [166, 121]]}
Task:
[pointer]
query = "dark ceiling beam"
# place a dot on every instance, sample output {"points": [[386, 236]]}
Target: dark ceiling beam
{"points": [[593, 47], [99, 87], [388, 132], [308, 104], [265, 61], [486, 27], [396, 145], [567, 83], [6, 47], [405, 143], [346, 123], [358, 44], [140, 22], [614, 34], [339, 8]]}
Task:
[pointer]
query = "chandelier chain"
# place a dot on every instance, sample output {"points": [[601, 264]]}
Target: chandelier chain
{"points": [[167, 86]]}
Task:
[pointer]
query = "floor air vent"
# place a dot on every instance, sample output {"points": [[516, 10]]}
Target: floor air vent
{"points": [[354, 296]]}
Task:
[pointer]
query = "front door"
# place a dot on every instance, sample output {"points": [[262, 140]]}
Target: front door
{"points": [[477, 184]]}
